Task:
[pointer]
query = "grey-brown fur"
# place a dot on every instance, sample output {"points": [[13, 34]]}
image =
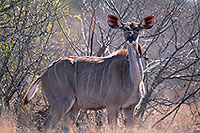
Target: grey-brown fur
{"points": [[75, 83]]}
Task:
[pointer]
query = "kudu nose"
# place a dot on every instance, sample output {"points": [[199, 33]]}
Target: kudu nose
{"points": [[131, 42]]}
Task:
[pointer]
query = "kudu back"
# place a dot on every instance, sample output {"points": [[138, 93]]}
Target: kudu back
{"points": [[91, 83]]}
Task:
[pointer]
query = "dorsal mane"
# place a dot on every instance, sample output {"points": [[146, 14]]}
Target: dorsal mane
{"points": [[122, 52]]}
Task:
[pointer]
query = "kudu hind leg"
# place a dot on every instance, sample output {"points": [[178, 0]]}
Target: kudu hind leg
{"points": [[69, 119], [57, 112], [53, 117]]}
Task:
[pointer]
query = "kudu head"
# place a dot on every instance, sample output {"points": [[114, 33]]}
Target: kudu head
{"points": [[131, 29]]}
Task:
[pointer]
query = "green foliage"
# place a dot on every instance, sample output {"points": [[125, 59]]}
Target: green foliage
{"points": [[26, 27]]}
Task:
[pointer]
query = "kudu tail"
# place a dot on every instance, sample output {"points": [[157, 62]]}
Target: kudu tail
{"points": [[31, 91]]}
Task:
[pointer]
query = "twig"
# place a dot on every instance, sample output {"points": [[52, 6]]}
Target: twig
{"points": [[178, 106], [68, 39], [103, 47], [92, 37]]}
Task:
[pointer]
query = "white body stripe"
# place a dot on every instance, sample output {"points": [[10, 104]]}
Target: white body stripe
{"points": [[95, 80], [57, 75], [108, 79], [75, 74], [102, 78], [70, 107], [82, 77], [89, 77], [65, 71]]}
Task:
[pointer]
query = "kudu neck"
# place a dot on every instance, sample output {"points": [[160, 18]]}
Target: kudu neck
{"points": [[135, 66]]}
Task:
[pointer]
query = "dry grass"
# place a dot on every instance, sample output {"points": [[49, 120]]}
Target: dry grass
{"points": [[185, 122], [7, 124]]}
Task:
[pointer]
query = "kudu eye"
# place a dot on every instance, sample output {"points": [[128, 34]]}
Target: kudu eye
{"points": [[126, 29], [137, 29], [134, 27]]}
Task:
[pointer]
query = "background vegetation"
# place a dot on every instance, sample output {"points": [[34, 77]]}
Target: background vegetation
{"points": [[34, 33]]}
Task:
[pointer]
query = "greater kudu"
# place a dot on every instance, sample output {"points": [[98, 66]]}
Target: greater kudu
{"points": [[114, 82]]}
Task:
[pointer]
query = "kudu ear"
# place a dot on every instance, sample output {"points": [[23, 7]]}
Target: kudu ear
{"points": [[147, 23], [114, 22]]}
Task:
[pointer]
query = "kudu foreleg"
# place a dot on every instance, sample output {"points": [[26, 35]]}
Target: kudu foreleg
{"points": [[129, 116], [112, 114], [58, 110]]}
